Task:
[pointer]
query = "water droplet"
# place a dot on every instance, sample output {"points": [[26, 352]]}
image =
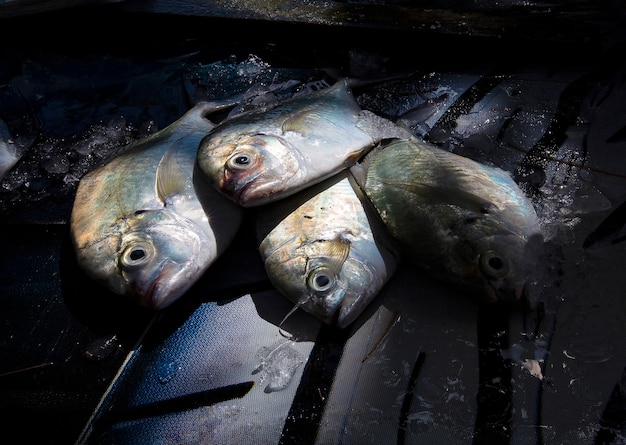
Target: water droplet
{"points": [[167, 371]]}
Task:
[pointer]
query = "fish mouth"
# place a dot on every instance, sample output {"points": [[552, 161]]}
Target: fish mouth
{"points": [[236, 189], [364, 288], [349, 310], [252, 194], [340, 315], [322, 308], [165, 288], [239, 194], [343, 317], [148, 299]]}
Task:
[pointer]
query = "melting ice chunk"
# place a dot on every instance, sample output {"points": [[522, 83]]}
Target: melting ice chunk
{"points": [[279, 363]]}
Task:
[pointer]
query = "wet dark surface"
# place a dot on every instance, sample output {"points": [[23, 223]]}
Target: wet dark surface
{"points": [[424, 364]]}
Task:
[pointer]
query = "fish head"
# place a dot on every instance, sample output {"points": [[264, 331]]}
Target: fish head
{"points": [[499, 266], [152, 257], [324, 279], [251, 169]]}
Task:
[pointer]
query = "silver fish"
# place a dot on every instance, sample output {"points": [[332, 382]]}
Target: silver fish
{"points": [[463, 221], [325, 251], [144, 224], [270, 153]]}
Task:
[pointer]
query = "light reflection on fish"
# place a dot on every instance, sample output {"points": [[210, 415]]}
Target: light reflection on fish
{"points": [[18, 131], [270, 153], [144, 224], [325, 251], [463, 221], [8, 153]]}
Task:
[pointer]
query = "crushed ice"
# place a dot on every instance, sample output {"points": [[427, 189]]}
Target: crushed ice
{"points": [[278, 364]]}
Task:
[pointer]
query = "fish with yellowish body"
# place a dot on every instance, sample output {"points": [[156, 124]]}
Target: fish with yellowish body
{"points": [[465, 222], [326, 251], [144, 224], [272, 152]]}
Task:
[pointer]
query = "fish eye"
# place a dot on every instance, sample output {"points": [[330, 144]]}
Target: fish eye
{"points": [[321, 280], [241, 161], [136, 255], [493, 264]]}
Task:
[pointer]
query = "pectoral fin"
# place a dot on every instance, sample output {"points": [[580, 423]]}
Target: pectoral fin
{"points": [[432, 174], [445, 195], [170, 178], [300, 122], [335, 252]]}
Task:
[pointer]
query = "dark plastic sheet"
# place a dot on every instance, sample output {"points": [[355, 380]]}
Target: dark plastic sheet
{"points": [[424, 364]]}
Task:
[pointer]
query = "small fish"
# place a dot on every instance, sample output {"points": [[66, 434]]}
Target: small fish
{"points": [[144, 224], [463, 221], [270, 153], [326, 251]]}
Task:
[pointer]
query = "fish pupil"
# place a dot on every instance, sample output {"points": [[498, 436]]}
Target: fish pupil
{"points": [[242, 160], [137, 254], [496, 263], [322, 281]]}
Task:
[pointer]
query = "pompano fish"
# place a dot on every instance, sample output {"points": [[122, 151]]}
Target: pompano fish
{"points": [[270, 153], [144, 224], [326, 251], [463, 221]]}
